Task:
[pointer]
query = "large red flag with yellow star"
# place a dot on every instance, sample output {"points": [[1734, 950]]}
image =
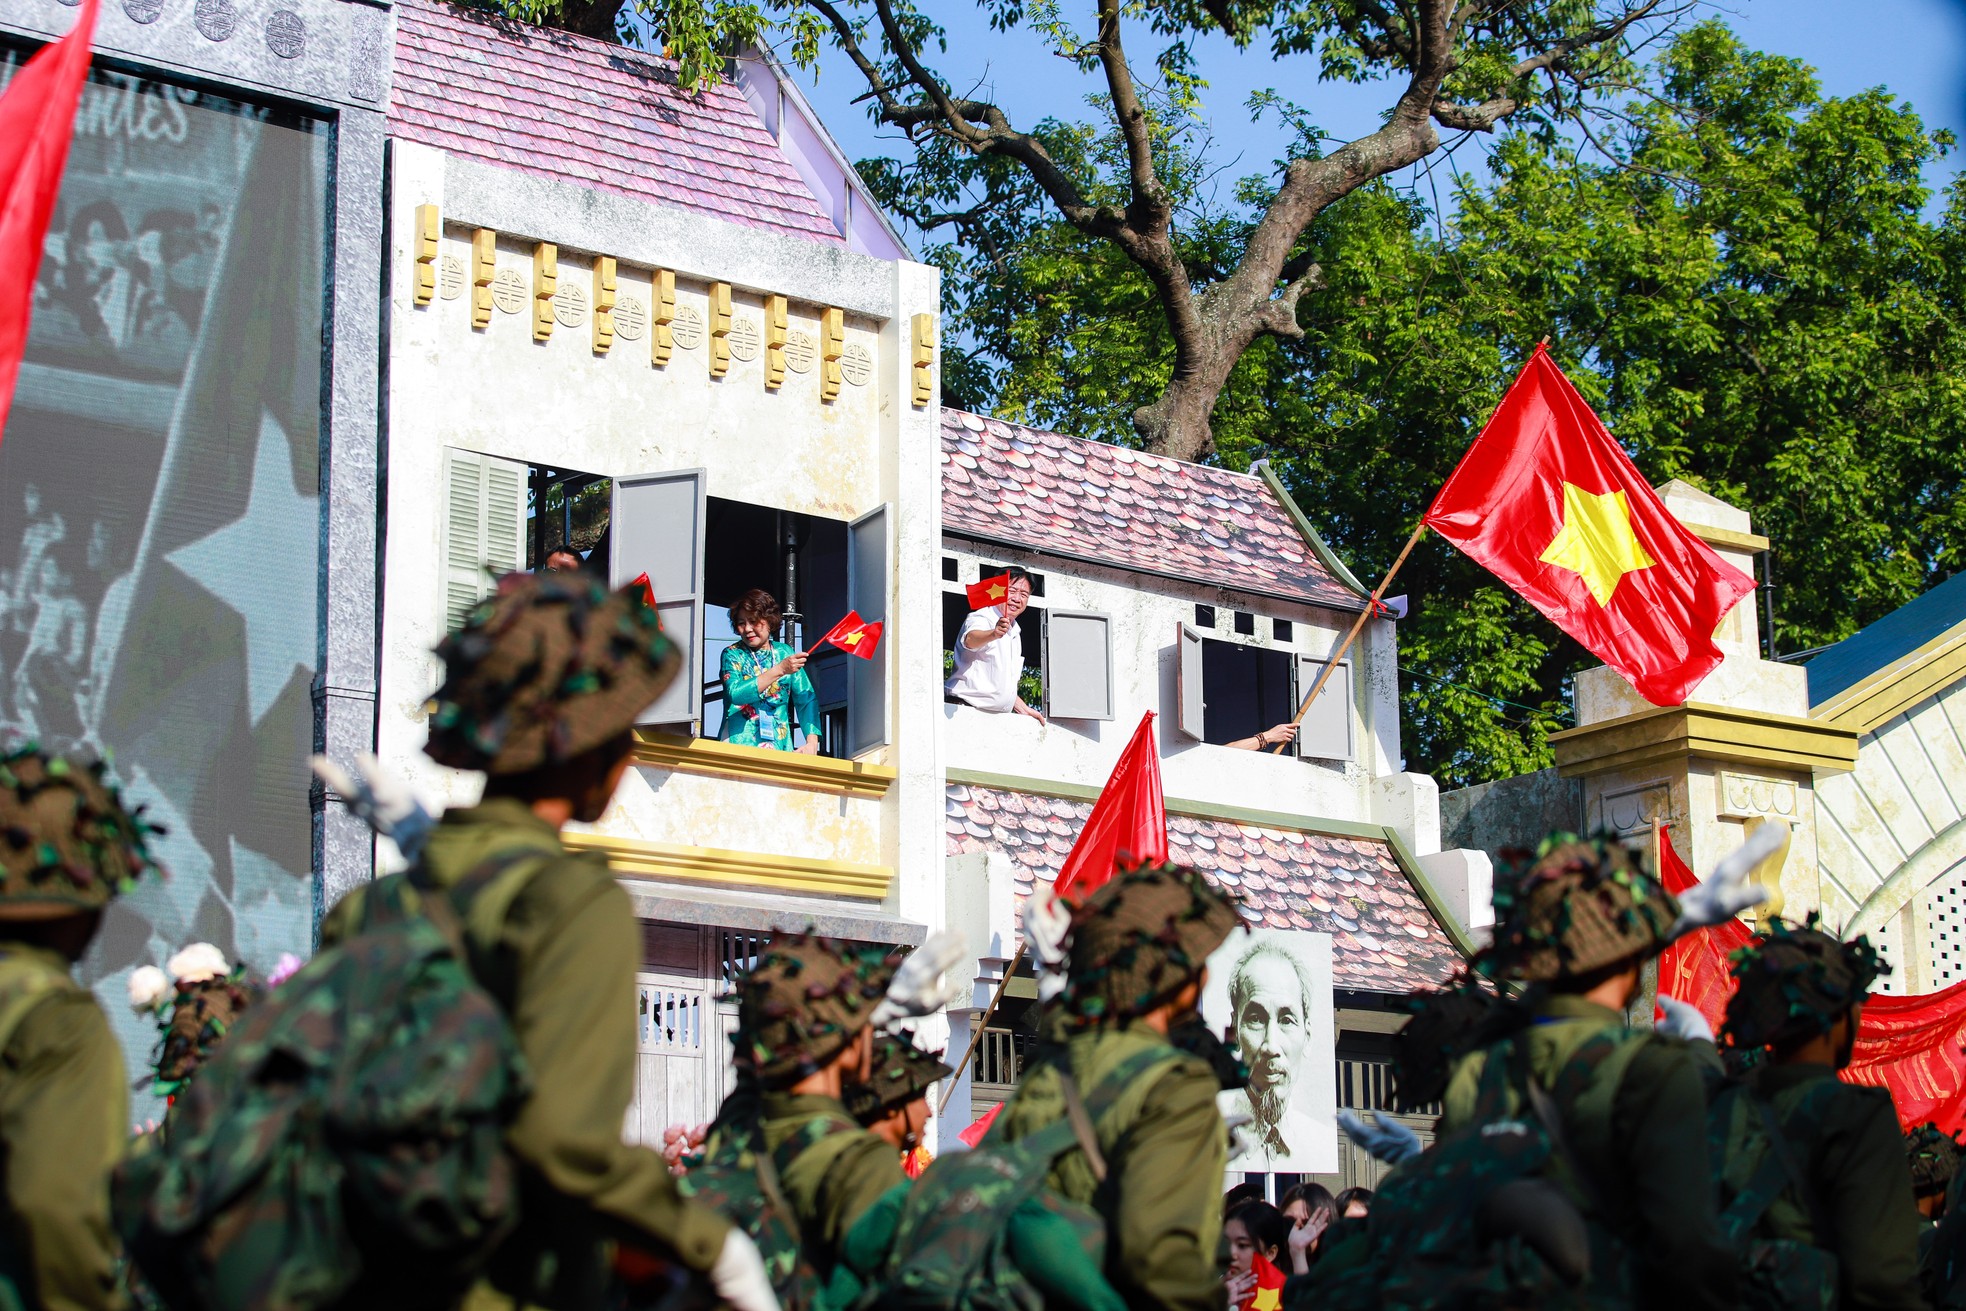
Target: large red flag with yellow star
{"points": [[1549, 503]]}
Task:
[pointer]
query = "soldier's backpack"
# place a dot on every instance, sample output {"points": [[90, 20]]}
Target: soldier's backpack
{"points": [[345, 1145], [1758, 1168], [741, 1180], [1498, 1214], [952, 1247]]}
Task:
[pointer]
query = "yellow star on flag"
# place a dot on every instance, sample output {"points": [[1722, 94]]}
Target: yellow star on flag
{"points": [[996, 591], [1596, 541], [851, 639]]}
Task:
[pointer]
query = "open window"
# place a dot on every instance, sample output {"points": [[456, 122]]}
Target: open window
{"points": [[1230, 691]]}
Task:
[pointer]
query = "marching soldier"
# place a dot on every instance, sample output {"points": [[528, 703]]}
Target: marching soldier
{"points": [[1577, 926], [69, 847], [893, 1102], [542, 688], [1153, 1145], [1800, 995]]}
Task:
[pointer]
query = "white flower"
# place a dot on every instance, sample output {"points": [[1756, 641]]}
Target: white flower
{"points": [[197, 963], [148, 986]]}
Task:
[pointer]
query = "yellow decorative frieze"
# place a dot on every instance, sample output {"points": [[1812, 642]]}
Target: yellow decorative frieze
{"points": [[775, 325], [545, 282], [852, 778], [484, 268], [604, 293], [429, 226], [832, 345], [924, 360], [662, 316], [636, 858], [719, 329]]}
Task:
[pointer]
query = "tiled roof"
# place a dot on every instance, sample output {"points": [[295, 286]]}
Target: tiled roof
{"points": [[1383, 937], [568, 107], [1044, 490]]}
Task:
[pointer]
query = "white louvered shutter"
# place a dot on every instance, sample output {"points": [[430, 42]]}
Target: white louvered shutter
{"points": [[484, 528]]}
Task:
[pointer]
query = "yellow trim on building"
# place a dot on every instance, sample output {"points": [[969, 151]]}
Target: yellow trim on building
{"points": [[635, 858], [1900, 685], [849, 778], [1707, 732], [1727, 539]]}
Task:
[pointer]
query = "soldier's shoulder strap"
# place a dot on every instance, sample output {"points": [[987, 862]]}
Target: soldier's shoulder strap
{"points": [[1776, 1170], [26, 982], [1079, 1128], [470, 912]]}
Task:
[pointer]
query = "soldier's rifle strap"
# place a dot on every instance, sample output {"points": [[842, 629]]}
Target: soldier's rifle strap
{"points": [[1082, 1129], [1805, 1118], [1547, 1113]]}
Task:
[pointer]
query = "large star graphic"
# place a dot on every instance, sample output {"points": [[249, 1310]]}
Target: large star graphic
{"points": [[263, 566], [1596, 541]]}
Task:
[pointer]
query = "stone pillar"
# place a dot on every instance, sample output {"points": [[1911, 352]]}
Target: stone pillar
{"points": [[1741, 751]]}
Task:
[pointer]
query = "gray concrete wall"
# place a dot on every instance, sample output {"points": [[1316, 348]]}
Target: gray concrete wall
{"points": [[1511, 812]]}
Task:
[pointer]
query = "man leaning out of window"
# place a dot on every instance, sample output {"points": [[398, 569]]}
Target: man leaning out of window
{"points": [[990, 654]]}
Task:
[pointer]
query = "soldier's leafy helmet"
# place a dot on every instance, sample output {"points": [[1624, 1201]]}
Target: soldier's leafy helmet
{"points": [[1575, 908], [68, 843], [804, 1001], [1793, 982], [1934, 1158], [1141, 938], [548, 667], [902, 1072]]}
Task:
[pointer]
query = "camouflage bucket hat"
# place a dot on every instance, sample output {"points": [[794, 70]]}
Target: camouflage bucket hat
{"points": [[1578, 906], [67, 842], [1792, 984], [549, 667], [804, 1001], [1141, 938], [1934, 1158], [903, 1072]]}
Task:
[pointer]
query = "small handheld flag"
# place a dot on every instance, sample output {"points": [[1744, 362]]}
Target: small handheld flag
{"points": [[854, 635], [641, 580], [988, 591]]}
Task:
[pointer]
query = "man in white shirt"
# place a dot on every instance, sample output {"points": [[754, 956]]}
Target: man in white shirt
{"points": [[990, 654]]}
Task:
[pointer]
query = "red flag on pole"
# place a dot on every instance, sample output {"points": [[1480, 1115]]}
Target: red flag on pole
{"points": [[37, 121], [1128, 820], [641, 580], [854, 635], [988, 591], [1695, 969], [1549, 503], [980, 1126]]}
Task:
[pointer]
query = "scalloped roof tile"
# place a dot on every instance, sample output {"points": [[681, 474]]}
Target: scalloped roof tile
{"points": [[1025, 487], [1384, 939], [568, 107]]}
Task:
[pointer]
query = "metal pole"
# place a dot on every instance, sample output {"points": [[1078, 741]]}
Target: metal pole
{"points": [[1768, 598]]}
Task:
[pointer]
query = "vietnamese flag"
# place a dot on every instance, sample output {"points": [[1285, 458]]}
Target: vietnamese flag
{"points": [[1268, 1293], [1549, 503], [988, 591], [974, 1134], [641, 580], [854, 635], [1128, 821], [37, 121]]}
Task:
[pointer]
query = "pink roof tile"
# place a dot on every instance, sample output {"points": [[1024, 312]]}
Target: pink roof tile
{"points": [[1384, 938], [1043, 490], [568, 107]]}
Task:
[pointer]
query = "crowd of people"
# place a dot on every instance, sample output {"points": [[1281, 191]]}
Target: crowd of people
{"points": [[428, 1114]]}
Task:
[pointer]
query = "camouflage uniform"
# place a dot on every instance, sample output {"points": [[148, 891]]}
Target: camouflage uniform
{"points": [[1580, 912], [553, 667], [805, 1002], [1794, 984], [69, 846], [1135, 944]]}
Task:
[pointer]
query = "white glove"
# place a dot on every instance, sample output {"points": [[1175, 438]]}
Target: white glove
{"points": [[381, 799], [1682, 1021], [1726, 892], [1385, 1138], [1239, 1142], [1047, 923], [739, 1275], [922, 986]]}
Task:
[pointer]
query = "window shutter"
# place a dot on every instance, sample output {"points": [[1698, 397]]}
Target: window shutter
{"points": [[1078, 665], [1326, 733], [484, 528], [866, 592], [655, 527], [1188, 702]]}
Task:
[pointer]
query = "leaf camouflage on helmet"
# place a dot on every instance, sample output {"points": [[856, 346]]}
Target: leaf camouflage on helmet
{"points": [[902, 1073], [1933, 1156], [345, 1145], [1794, 982], [1140, 938], [803, 1001], [68, 844], [1576, 907], [200, 1016]]}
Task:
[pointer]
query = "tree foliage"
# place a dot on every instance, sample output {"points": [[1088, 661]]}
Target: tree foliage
{"points": [[1743, 279]]}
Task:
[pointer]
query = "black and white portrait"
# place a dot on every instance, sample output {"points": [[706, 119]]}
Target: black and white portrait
{"points": [[1270, 992]]}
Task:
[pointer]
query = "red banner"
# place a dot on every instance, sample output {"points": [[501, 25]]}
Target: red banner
{"points": [[1129, 820]]}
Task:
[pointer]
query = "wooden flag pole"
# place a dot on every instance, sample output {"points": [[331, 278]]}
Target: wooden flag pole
{"points": [[1371, 607], [976, 1038]]}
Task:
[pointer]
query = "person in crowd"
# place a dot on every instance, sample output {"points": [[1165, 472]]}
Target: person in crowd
{"points": [[1138, 958], [1799, 997], [1576, 926], [990, 654], [562, 562], [1256, 1233], [1933, 1156], [1311, 1210], [766, 688], [892, 1102], [806, 1022], [1353, 1204], [64, 1098], [1240, 1196], [541, 691], [1276, 735], [1269, 1019]]}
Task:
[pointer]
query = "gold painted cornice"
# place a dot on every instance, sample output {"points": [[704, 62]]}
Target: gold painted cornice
{"points": [[635, 858], [851, 778], [1899, 686], [1727, 539], [1707, 732]]}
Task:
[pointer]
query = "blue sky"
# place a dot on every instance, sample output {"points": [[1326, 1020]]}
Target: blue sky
{"points": [[1917, 48]]}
